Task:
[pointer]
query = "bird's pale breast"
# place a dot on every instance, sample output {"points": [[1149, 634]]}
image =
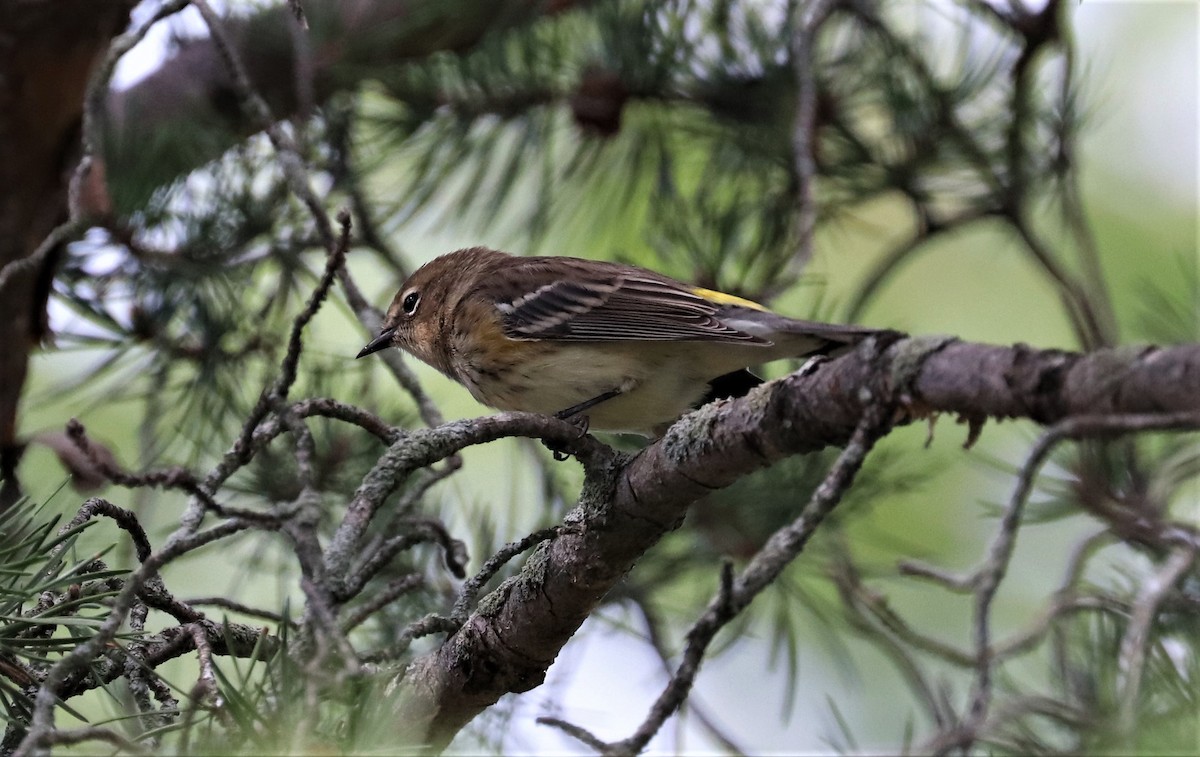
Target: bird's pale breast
{"points": [[659, 381]]}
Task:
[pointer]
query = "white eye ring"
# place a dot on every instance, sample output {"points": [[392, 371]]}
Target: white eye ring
{"points": [[410, 302]]}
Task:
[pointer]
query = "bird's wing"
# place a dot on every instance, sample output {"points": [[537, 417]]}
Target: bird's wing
{"points": [[617, 306]]}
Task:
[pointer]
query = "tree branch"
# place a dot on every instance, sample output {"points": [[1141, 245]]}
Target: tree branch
{"points": [[629, 503]]}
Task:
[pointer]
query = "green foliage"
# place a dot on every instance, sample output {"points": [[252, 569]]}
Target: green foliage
{"points": [[50, 600]]}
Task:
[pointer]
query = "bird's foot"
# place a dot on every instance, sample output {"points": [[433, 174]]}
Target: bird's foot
{"points": [[557, 449]]}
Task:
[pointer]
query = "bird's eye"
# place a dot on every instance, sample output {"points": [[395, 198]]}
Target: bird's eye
{"points": [[410, 303]]}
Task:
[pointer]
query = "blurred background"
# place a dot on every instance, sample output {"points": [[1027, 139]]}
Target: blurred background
{"points": [[574, 136]]}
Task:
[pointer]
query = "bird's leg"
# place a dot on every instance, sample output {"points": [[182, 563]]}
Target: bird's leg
{"points": [[574, 415], [563, 415]]}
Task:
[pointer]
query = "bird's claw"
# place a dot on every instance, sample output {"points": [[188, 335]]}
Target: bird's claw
{"points": [[557, 450]]}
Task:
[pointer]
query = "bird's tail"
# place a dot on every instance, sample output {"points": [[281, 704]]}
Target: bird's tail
{"points": [[792, 337]]}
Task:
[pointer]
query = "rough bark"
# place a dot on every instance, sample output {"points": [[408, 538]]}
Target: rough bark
{"points": [[629, 503]]}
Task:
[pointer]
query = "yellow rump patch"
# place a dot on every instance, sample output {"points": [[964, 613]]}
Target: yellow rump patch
{"points": [[721, 298]]}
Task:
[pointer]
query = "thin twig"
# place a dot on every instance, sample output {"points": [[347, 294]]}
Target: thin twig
{"points": [[579, 733], [206, 682], [857, 596], [988, 577], [299, 183], [237, 456], [256, 107], [331, 408], [141, 681], [424, 447], [320, 605], [41, 726], [395, 589], [1066, 600], [93, 733], [290, 362], [780, 550], [304, 447], [927, 231], [423, 531], [93, 120], [125, 519], [1076, 301], [470, 590], [61, 235], [848, 580], [944, 578], [1076, 214], [418, 487], [425, 626], [238, 607], [694, 708], [811, 15], [1132, 655], [169, 478]]}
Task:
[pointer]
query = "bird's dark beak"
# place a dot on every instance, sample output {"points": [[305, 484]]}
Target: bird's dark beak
{"points": [[378, 343]]}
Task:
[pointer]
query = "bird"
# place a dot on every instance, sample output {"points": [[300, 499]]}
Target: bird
{"points": [[618, 347]]}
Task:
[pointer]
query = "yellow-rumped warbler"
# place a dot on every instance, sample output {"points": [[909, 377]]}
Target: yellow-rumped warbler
{"points": [[630, 348]]}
